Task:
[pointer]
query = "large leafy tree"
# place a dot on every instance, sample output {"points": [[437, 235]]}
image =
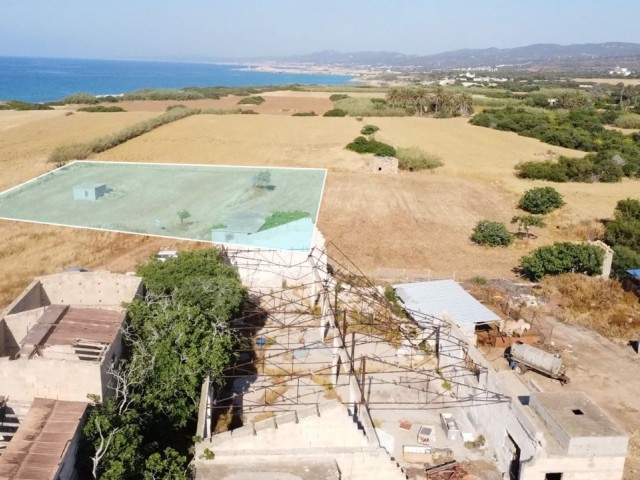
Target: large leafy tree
{"points": [[180, 333], [563, 257]]}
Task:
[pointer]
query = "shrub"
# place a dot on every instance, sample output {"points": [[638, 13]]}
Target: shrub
{"points": [[364, 107], [101, 109], [490, 233], [624, 258], [366, 145], [159, 94], [369, 130], [415, 159], [338, 96], [624, 229], [540, 200], [65, 153], [4, 106], [179, 105], [23, 106], [628, 120], [305, 114], [561, 258], [255, 100], [80, 98], [336, 112], [248, 111]]}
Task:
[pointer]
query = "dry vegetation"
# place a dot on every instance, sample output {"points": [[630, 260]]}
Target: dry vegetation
{"points": [[599, 304], [411, 215]]}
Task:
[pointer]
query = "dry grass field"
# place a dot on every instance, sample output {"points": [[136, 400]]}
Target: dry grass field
{"points": [[386, 223], [610, 81]]}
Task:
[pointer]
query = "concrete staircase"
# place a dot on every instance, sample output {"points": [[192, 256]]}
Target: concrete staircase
{"points": [[324, 434]]}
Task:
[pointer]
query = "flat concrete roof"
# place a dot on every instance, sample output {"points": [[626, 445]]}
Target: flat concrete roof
{"points": [[577, 414], [39, 445]]}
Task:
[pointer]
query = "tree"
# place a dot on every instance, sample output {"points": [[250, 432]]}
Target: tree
{"points": [[183, 215], [166, 466], [490, 233], [624, 258], [540, 200], [563, 257], [624, 229], [526, 221], [262, 179]]}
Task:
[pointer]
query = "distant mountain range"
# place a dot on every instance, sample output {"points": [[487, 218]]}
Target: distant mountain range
{"points": [[543, 55]]}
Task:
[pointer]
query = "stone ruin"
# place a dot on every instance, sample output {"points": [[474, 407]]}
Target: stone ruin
{"points": [[382, 165]]}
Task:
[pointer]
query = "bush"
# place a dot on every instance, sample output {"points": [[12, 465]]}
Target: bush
{"points": [[365, 145], [415, 159], [23, 106], [624, 258], [563, 258], [490, 233], [624, 229], [256, 100], [159, 94], [101, 109], [628, 120], [248, 111], [305, 114], [81, 98], [540, 200], [336, 112], [365, 107], [65, 153], [369, 130], [338, 96]]}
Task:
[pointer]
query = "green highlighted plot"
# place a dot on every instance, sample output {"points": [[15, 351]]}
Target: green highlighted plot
{"points": [[274, 208]]}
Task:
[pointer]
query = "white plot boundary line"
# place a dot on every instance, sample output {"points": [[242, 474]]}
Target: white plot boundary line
{"points": [[231, 246]]}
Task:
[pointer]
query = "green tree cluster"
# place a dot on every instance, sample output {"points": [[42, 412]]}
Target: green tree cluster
{"points": [[493, 234], [179, 334], [563, 257], [623, 234], [420, 101], [580, 129]]}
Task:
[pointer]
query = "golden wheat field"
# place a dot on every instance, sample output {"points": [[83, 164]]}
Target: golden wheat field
{"points": [[392, 226]]}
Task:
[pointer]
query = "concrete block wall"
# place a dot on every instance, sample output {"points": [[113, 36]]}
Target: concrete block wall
{"points": [[18, 325], [575, 468], [31, 297], [57, 379], [91, 288]]}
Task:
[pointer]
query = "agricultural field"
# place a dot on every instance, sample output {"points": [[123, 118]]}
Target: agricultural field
{"points": [[395, 227]]}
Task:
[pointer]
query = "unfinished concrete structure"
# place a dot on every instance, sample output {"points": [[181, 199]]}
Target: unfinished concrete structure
{"points": [[338, 337], [45, 444], [59, 338], [90, 192]]}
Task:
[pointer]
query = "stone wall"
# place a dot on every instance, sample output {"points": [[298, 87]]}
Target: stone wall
{"points": [[387, 165]]}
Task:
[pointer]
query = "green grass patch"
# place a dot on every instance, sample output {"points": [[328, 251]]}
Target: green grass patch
{"points": [[338, 96], [305, 114], [218, 226], [628, 120], [254, 100], [415, 159], [282, 217]]}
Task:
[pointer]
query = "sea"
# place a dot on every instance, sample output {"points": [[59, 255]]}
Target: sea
{"points": [[51, 79]]}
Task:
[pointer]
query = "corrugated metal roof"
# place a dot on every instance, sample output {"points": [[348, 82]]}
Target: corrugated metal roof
{"points": [[42, 440], [444, 297]]}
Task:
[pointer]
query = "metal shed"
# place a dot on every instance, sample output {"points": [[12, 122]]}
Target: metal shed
{"points": [[446, 298]]}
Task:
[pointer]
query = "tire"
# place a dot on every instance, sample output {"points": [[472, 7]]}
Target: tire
{"points": [[520, 369]]}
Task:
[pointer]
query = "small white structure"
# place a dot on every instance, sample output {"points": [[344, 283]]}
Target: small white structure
{"points": [[89, 191]]}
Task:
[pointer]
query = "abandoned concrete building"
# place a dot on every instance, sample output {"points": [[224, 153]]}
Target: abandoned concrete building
{"points": [[341, 384], [39, 439], [61, 335]]}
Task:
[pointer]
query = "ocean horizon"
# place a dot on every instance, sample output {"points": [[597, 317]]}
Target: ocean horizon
{"points": [[32, 79]]}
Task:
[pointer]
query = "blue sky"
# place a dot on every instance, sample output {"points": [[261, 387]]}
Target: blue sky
{"points": [[199, 29]]}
